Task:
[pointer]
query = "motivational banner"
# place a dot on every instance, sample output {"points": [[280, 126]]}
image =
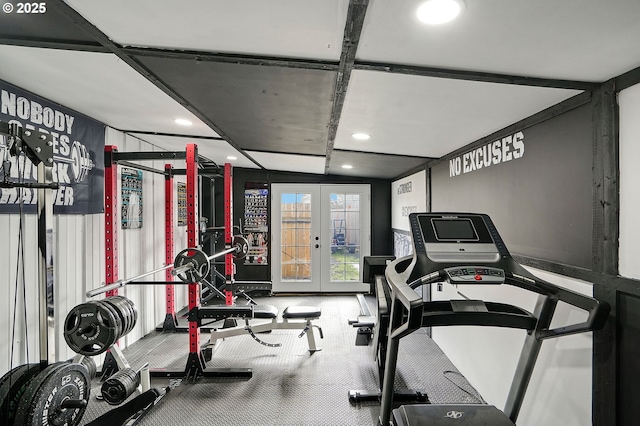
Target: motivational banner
{"points": [[408, 195], [78, 153]]}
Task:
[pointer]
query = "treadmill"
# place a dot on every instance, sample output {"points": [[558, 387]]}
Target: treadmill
{"points": [[466, 249]]}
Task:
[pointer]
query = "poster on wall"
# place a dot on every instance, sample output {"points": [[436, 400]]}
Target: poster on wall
{"points": [[182, 204], [408, 195], [256, 225], [78, 153], [131, 198]]}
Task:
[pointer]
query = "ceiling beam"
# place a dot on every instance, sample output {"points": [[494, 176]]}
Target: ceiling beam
{"points": [[386, 154], [475, 76], [53, 44], [322, 65], [104, 40], [173, 135], [352, 31], [269, 61]]}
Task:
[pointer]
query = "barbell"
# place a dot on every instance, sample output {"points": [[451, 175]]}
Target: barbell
{"points": [[190, 265]]}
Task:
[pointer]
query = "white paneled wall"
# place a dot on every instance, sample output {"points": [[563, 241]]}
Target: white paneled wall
{"points": [[560, 389], [79, 265], [629, 101]]}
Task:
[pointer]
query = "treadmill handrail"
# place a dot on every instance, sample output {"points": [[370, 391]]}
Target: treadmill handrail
{"points": [[404, 292]]}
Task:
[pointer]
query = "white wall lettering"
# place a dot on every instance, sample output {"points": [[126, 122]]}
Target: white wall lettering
{"points": [[506, 149]]}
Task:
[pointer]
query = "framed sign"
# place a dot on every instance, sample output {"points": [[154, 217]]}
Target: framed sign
{"points": [[131, 198]]}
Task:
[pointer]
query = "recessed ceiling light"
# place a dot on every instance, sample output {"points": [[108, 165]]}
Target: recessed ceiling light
{"points": [[231, 157], [347, 166], [183, 122], [436, 12], [361, 136]]}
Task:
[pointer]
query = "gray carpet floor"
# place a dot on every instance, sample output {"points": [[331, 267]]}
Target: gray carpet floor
{"points": [[289, 386]]}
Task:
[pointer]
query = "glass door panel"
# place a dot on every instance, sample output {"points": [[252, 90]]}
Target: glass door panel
{"points": [[347, 224], [294, 266]]}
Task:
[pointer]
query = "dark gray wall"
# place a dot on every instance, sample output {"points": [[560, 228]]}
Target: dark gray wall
{"points": [[542, 202]]}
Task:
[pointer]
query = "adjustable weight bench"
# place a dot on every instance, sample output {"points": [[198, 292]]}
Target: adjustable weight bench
{"points": [[293, 318]]}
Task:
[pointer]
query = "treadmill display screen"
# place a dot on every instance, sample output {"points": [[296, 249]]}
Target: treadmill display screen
{"points": [[458, 229]]}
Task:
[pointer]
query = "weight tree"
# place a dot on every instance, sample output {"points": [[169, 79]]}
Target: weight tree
{"points": [[41, 393]]}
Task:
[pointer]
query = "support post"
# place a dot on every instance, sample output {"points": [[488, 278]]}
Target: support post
{"points": [[170, 320], [111, 217], [228, 230], [195, 362], [111, 212], [45, 262]]}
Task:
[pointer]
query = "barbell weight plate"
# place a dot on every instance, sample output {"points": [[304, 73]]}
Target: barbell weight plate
{"points": [[134, 312], [114, 313], [117, 388], [12, 386], [90, 329], [110, 303], [122, 309], [242, 246], [89, 364], [198, 259], [42, 402], [128, 310]]}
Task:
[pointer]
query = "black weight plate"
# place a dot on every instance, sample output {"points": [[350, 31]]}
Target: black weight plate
{"points": [[89, 363], [28, 395], [130, 310], [242, 246], [134, 312], [200, 261], [117, 316], [90, 329], [113, 315], [115, 302], [43, 399], [12, 386], [91, 366], [117, 388], [124, 305]]}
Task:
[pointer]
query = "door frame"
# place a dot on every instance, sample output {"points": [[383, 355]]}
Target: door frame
{"points": [[320, 229]]}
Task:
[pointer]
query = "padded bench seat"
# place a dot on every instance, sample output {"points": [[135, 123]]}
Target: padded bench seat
{"points": [[301, 312], [265, 311]]}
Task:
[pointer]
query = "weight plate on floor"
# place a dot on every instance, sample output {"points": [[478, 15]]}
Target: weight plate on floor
{"points": [[199, 261], [47, 399], [12, 386], [90, 329], [117, 388], [90, 365]]}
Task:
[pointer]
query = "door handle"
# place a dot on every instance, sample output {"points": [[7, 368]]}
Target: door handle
{"points": [[317, 245]]}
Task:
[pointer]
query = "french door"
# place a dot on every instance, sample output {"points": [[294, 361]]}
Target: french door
{"points": [[320, 234]]}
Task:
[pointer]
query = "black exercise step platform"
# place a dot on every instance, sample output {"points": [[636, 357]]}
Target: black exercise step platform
{"points": [[301, 312]]}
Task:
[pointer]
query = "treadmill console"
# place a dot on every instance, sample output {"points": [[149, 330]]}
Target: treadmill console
{"points": [[458, 238], [475, 275]]}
